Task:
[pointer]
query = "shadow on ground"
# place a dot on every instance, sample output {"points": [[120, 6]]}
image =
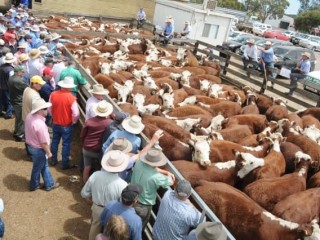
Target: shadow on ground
{"points": [[16, 183], [15, 153], [5, 134]]}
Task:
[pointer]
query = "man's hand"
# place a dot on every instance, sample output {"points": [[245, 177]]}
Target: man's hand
{"points": [[158, 134]]}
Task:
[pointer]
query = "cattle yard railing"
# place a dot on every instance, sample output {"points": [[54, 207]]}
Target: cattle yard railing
{"points": [[83, 95]]}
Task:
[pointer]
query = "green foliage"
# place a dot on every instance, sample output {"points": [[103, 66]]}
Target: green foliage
{"points": [[307, 20], [232, 4], [266, 8], [306, 5]]}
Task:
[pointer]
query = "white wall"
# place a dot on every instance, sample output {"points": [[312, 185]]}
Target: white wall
{"points": [[198, 18]]}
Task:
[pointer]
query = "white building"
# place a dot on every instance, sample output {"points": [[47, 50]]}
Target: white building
{"points": [[207, 25]]}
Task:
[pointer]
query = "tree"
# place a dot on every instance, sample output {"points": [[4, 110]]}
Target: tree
{"points": [[306, 5], [266, 8], [232, 4], [307, 20]]}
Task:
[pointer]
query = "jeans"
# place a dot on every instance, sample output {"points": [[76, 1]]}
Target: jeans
{"points": [[66, 134], [167, 38], [1, 228], [18, 124], [40, 166], [5, 102], [270, 65], [246, 62], [294, 78]]}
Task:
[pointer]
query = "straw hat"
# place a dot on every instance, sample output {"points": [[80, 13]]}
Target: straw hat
{"points": [[99, 90], [250, 41], [23, 57], [133, 124], [154, 158], [43, 49], [103, 109], [115, 161], [59, 45], [187, 22], [22, 45], [307, 54], [34, 53], [9, 58], [122, 144], [67, 82], [39, 104], [268, 43], [210, 231], [169, 20], [35, 28], [1, 42], [55, 36]]}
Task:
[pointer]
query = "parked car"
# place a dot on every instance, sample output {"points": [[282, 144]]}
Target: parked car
{"points": [[289, 33], [288, 56], [233, 34], [275, 42], [235, 44], [261, 28], [275, 34], [312, 43], [296, 38]]}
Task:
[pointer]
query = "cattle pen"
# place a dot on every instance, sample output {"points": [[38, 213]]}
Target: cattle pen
{"points": [[231, 73]]}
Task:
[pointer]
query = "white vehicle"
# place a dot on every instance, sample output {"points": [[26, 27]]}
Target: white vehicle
{"points": [[313, 43], [259, 29], [289, 33]]}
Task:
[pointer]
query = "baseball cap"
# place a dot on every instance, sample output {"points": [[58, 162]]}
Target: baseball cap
{"points": [[18, 68], [48, 71], [131, 192], [183, 188], [37, 79]]}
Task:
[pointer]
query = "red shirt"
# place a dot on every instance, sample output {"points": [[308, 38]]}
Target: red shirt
{"points": [[92, 133], [61, 107]]}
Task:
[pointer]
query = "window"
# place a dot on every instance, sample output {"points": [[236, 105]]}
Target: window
{"points": [[210, 31], [38, 1]]}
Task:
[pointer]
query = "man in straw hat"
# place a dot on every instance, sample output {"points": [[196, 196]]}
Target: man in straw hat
{"points": [[186, 30], [145, 174], [168, 31], [16, 89], [71, 71], [104, 186], [23, 61], [124, 208], [53, 42], [176, 215], [35, 63], [303, 67], [10, 33], [38, 144], [21, 49], [6, 71], [208, 231], [98, 94], [132, 126], [267, 58], [250, 54], [65, 113], [141, 17], [91, 136]]}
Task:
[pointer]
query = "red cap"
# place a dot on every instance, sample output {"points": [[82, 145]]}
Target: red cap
{"points": [[48, 71]]}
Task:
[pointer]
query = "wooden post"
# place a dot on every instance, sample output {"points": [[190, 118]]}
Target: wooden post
{"points": [[226, 64], [196, 46]]}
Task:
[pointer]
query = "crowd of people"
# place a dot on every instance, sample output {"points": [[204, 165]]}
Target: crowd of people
{"points": [[38, 87]]}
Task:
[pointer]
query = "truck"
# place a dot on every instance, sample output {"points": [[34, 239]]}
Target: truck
{"points": [[248, 24]]}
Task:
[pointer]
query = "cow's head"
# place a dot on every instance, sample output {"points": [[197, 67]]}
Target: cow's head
{"points": [[246, 162], [201, 151]]}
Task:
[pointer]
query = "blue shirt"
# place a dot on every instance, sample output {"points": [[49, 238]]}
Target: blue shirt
{"points": [[128, 213], [134, 139], [305, 66], [46, 91], [168, 30], [174, 218], [268, 56]]}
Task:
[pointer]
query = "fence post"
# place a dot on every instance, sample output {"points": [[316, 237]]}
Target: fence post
{"points": [[196, 46]]}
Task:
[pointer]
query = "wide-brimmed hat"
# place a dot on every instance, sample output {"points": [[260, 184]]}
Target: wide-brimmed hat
{"points": [[10, 26], [38, 104], [122, 144], [210, 231], [133, 124], [250, 41], [154, 158], [9, 58], [99, 90], [186, 22], [307, 54], [169, 20], [115, 161], [59, 45], [22, 45], [67, 82], [268, 43], [2, 42], [34, 53], [55, 36], [43, 49], [103, 109], [23, 57], [37, 79], [35, 28]]}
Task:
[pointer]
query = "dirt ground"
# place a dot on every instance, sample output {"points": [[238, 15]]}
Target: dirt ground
{"points": [[58, 214]]}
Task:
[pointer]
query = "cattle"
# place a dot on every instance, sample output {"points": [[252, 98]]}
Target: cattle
{"points": [[226, 108], [256, 123], [246, 219], [270, 191]]}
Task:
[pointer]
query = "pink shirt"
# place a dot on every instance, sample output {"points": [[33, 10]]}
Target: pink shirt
{"points": [[36, 130]]}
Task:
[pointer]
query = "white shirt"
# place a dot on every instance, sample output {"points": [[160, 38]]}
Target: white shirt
{"points": [[187, 31], [57, 69], [89, 107], [251, 52]]}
